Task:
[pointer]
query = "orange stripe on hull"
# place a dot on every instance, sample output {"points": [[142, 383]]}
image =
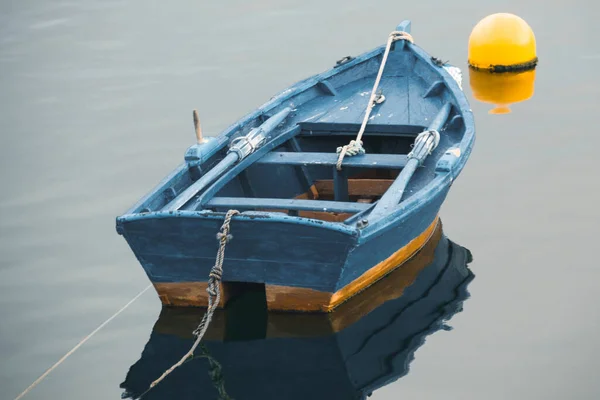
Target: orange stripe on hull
{"points": [[287, 298], [189, 294]]}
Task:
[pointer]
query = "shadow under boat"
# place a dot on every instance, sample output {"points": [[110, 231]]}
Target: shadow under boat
{"points": [[366, 343]]}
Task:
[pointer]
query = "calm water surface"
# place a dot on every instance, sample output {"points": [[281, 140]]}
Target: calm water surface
{"points": [[96, 100]]}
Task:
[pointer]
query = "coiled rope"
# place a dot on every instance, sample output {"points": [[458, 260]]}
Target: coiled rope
{"points": [[214, 293], [355, 146]]}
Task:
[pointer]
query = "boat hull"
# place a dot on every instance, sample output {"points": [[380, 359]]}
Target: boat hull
{"points": [[304, 264], [364, 345]]}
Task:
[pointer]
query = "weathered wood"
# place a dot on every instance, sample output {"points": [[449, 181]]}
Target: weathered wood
{"points": [[325, 216], [389, 128], [189, 294], [286, 204], [396, 161], [287, 298], [356, 187]]}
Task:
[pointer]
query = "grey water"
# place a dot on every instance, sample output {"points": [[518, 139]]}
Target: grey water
{"points": [[95, 108]]}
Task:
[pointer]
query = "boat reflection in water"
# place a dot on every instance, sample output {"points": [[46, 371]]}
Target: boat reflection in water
{"points": [[366, 343]]}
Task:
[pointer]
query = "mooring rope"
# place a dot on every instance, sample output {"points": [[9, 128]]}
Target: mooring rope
{"points": [[214, 293], [355, 146], [214, 297], [81, 342]]}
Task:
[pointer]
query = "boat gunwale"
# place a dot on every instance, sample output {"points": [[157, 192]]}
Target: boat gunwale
{"points": [[250, 216], [442, 179], [277, 100], [406, 207]]}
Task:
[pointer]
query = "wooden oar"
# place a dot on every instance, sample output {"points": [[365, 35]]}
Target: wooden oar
{"points": [[240, 148], [424, 144]]}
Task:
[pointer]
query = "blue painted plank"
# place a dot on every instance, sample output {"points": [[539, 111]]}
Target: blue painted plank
{"points": [[395, 110], [287, 204], [263, 250], [386, 128], [330, 159]]}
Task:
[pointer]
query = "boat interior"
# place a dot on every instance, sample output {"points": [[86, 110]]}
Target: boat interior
{"points": [[303, 171], [299, 176]]}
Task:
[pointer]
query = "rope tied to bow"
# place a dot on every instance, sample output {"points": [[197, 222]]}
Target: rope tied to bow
{"points": [[214, 293], [355, 146]]}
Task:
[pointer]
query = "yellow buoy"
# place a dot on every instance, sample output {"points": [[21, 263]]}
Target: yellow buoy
{"points": [[502, 42], [502, 90]]}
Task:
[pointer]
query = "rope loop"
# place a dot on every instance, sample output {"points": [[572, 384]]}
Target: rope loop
{"points": [[401, 35], [215, 275]]}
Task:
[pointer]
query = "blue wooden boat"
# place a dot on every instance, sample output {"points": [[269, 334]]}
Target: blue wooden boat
{"points": [[363, 345], [337, 180]]}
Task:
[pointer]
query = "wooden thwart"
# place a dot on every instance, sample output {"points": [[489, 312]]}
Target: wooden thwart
{"points": [[395, 161], [286, 204]]}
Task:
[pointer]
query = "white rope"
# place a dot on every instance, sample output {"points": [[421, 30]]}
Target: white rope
{"points": [[355, 146], [85, 339]]}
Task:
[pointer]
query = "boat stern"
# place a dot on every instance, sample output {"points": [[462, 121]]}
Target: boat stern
{"points": [[298, 260]]}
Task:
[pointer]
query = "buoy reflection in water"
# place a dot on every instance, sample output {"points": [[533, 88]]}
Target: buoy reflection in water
{"points": [[502, 89]]}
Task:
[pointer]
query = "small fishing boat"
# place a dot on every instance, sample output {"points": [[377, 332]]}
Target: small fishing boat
{"points": [[363, 345], [318, 193]]}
